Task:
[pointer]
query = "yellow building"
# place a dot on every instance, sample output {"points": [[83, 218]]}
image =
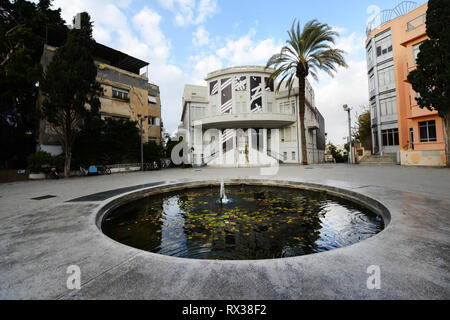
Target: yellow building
{"points": [[126, 94]]}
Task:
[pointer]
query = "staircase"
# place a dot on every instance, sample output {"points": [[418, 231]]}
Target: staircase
{"points": [[389, 158]]}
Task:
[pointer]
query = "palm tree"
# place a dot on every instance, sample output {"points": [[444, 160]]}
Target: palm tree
{"points": [[306, 52]]}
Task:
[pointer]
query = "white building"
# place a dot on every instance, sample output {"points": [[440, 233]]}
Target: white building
{"points": [[237, 120], [382, 93]]}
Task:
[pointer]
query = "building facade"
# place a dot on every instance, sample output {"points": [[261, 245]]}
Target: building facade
{"points": [[398, 124], [126, 94], [238, 120]]}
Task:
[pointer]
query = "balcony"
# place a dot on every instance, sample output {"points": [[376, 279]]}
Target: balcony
{"points": [[415, 23], [247, 120], [313, 124]]}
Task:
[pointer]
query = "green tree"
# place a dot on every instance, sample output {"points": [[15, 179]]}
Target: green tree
{"points": [[70, 87], [121, 141], [152, 152], [107, 141], [362, 130], [307, 52], [22, 36], [431, 78], [337, 154]]}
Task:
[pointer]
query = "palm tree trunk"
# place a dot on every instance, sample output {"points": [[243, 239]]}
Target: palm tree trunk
{"points": [[301, 111]]}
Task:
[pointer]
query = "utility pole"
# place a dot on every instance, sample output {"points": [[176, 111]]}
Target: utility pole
{"points": [[350, 154]]}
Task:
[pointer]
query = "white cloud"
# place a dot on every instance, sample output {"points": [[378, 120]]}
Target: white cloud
{"points": [[201, 37], [202, 66], [147, 22], [190, 11], [349, 86], [245, 50]]}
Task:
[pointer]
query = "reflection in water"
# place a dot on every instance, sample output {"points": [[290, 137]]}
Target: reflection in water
{"points": [[257, 223]]}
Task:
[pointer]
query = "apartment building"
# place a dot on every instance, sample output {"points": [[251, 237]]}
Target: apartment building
{"points": [[398, 124], [243, 122], [126, 93]]}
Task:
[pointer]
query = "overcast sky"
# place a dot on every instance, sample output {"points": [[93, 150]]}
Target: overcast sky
{"points": [[185, 39]]}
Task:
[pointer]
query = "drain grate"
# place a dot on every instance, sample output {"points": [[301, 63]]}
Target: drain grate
{"points": [[43, 197]]}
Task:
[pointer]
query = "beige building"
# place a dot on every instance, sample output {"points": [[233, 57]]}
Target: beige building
{"points": [[127, 94]]}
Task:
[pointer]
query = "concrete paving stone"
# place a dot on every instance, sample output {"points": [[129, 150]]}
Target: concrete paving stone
{"points": [[40, 239]]}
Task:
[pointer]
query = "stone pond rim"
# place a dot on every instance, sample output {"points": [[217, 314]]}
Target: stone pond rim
{"points": [[111, 204]]}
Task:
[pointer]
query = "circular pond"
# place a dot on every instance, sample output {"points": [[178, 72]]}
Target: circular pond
{"points": [[256, 222]]}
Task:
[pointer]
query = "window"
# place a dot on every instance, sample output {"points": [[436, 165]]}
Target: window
{"points": [[269, 107], [293, 155], [153, 121], [369, 57], [287, 107], [411, 137], [198, 112], [241, 107], [238, 106], [390, 137], [384, 46], [386, 77], [388, 106], [372, 83], [244, 107], [373, 111], [427, 131], [285, 156], [152, 99], [120, 94], [416, 50], [288, 134]]}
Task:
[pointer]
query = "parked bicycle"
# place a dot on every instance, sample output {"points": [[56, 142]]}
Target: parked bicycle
{"points": [[151, 166], [50, 172], [104, 170], [83, 172], [165, 163]]}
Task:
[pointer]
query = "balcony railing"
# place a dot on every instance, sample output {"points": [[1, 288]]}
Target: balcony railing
{"points": [[415, 23], [209, 113]]}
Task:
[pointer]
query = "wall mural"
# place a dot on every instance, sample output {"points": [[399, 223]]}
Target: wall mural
{"points": [[227, 98], [269, 85], [255, 94], [240, 83], [213, 88]]}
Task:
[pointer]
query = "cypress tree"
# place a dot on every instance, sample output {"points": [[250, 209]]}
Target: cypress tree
{"points": [[431, 79], [70, 88]]}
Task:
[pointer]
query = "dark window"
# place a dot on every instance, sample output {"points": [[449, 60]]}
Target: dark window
{"points": [[120, 94], [427, 131], [390, 137], [411, 137], [390, 49], [385, 138], [378, 51]]}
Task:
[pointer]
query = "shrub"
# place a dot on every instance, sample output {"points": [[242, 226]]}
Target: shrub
{"points": [[37, 160]]}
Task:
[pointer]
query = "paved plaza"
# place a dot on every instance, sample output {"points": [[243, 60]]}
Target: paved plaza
{"points": [[41, 238]]}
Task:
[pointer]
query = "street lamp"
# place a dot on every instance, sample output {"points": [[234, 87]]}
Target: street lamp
{"points": [[350, 154], [141, 120]]}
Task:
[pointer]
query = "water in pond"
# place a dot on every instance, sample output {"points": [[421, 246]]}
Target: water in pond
{"points": [[257, 222]]}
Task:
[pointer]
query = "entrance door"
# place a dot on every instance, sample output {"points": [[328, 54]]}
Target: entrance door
{"points": [[242, 147]]}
